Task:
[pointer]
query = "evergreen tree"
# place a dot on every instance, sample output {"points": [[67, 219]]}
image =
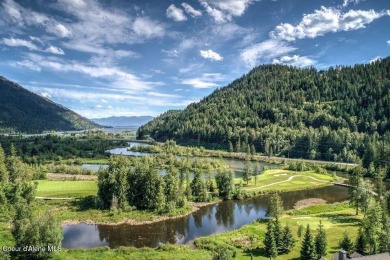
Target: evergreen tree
{"points": [[247, 176], [300, 231], [346, 243], [198, 187], [271, 249], [275, 206], [321, 241], [171, 189], [17, 170], [308, 251], [278, 234], [384, 234], [3, 169], [287, 241], [225, 183], [359, 190], [360, 244], [29, 230]]}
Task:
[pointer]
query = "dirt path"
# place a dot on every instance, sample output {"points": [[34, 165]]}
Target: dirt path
{"points": [[289, 179]]}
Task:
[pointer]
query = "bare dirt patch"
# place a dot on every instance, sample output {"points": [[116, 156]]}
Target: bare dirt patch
{"points": [[308, 202]]}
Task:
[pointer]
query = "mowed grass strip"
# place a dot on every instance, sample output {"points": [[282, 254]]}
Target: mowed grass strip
{"points": [[278, 179], [66, 189]]}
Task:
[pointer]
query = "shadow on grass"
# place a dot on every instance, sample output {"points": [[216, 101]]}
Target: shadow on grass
{"points": [[86, 203], [341, 218]]}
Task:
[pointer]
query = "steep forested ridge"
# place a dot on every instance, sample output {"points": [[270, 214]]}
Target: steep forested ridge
{"points": [[25, 111], [337, 114]]}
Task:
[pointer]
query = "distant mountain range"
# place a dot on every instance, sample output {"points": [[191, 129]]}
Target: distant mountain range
{"points": [[24, 111], [123, 120]]}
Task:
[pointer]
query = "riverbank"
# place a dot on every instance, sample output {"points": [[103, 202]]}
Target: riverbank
{"points": [[248, 240], [191, 208]]}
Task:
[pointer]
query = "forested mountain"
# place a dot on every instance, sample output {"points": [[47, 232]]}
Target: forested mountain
{"points": [[123, 120], [24, 111], [340, 114]]}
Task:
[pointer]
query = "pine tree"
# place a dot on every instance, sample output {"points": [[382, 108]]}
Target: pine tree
{"points": [[271, 249], [360, 244], [308, 251], [4, 178], [275, 206], [321, 241], [278, 234], [287, 241], [247, 176], [300, 231], [346, 243]]}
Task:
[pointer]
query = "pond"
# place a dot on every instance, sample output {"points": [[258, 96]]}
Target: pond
{"points": [[213, 219], [125, 151]]}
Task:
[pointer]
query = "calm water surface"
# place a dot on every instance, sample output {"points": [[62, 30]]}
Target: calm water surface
{"points": [[214, 219]]}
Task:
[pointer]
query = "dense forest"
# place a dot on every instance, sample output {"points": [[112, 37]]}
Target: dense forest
{"points": [[38, 149], [340, 114], [24, 111]]}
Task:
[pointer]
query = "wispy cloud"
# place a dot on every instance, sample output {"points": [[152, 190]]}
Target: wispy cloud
{"points": [[206, 80], [21, 16], [15, 42], [118, 78], [12, 42], [224, 10], [191, 11], [265, 52]]}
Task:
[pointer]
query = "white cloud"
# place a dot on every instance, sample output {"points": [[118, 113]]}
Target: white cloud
{"points": [[207, 80], [184, 45], [55, 50], [147, 28], [175, 13], [265, 52], [13, 42], [117, 77], [230, 7], [191, 11], [347, 2], [95, 27], [217, 15], [209, 54], [325, 20], [296, 60], [21, 16], [37, 39], [388, 42]]}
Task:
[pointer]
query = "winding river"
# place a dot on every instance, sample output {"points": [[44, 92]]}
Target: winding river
{"points": [[213, 219]]}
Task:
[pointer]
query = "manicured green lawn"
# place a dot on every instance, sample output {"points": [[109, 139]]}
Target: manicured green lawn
{"points": [[66, 189], [299, 180], [250, 237]]}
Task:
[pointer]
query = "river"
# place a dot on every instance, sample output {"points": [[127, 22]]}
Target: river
{"points": [[213, 219]]}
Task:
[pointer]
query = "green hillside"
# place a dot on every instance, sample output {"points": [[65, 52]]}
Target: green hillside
{"points": [[340, 114], [24, 111]]}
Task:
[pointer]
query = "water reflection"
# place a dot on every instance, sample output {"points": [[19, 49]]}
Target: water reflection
{"points": [[222, 217]]}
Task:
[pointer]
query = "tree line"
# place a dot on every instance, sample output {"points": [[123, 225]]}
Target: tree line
{"points": [[17, 206], [334, 115]]}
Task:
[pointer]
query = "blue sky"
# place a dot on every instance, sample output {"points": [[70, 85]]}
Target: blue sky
{"points": [[107, 58]]}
